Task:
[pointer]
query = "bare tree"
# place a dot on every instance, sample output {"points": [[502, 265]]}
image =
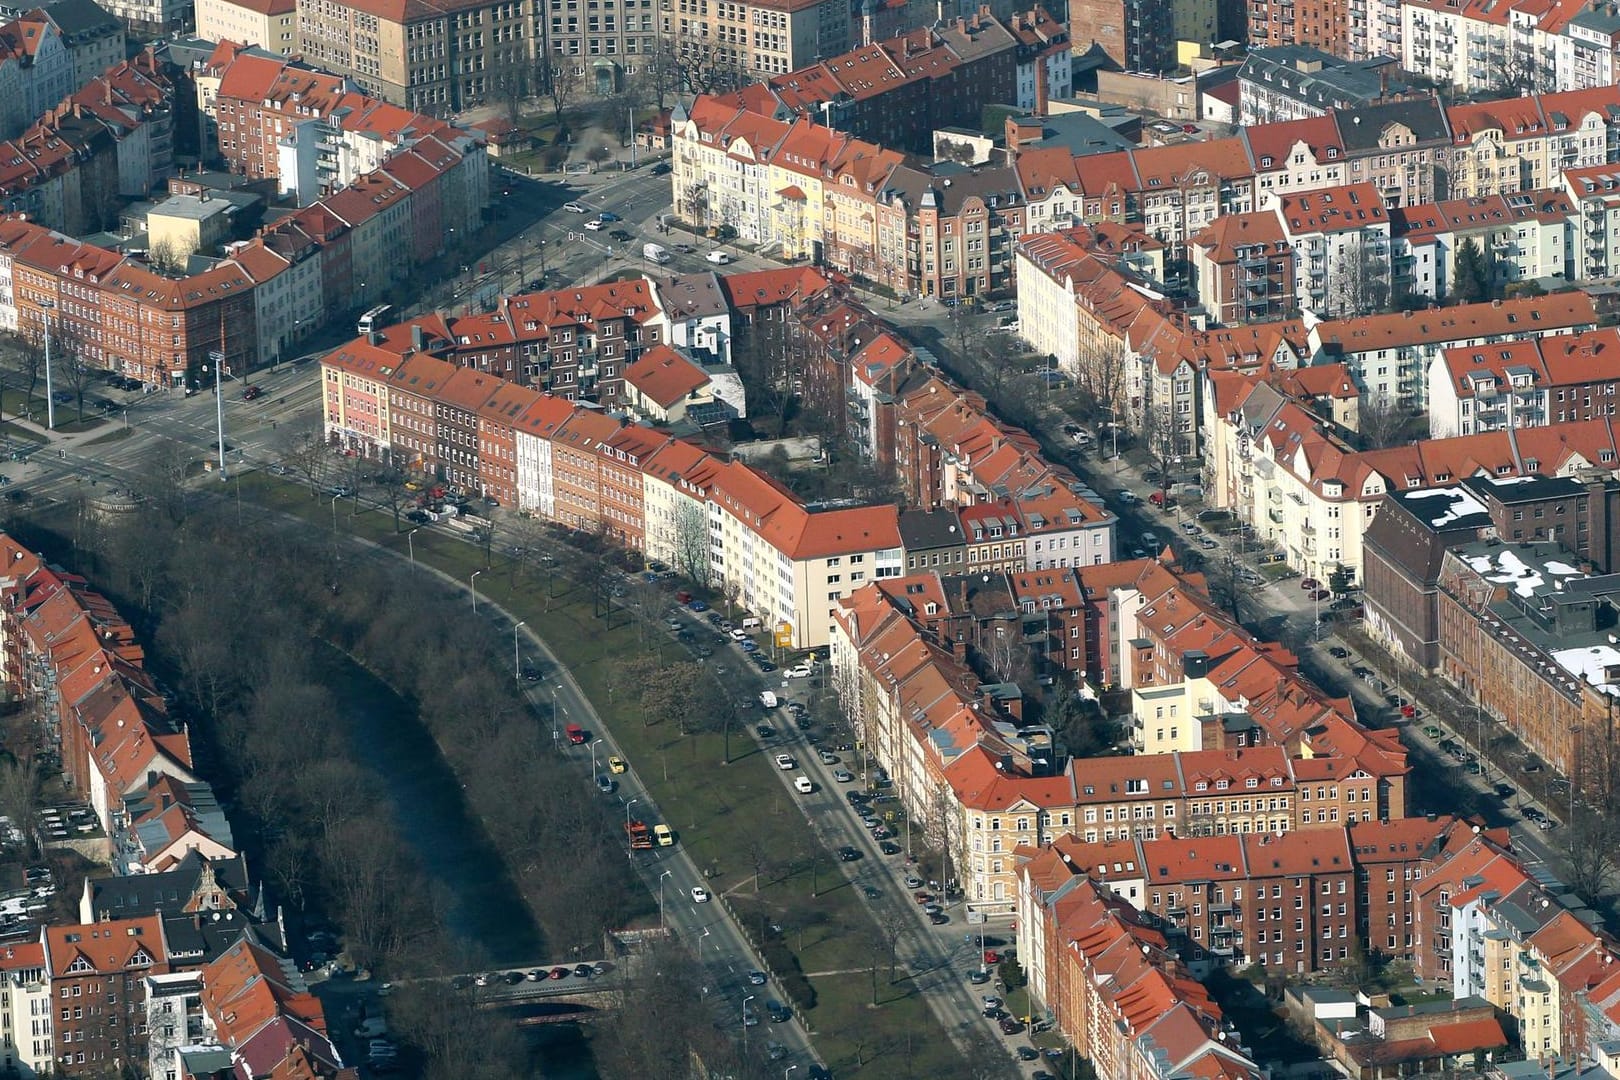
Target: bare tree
{"points": [[1381, 422], [659, 74], [167, 257], [942, 829], [306, 454], [708, 67], [1358, 281], [20, 787], [1159, 439], [78, 375], [563, 87], [691, 541], [598, 155], [30, 353], [1592, 848], [1100, 379]]}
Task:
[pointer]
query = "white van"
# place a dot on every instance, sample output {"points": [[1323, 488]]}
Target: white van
{"points": [[655, 253]]}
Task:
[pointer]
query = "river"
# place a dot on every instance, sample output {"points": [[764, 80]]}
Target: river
{"points": [[484, 908]]}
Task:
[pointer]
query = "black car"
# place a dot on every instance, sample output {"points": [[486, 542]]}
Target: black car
{"points": [[766, 666], [1011, 1025], [848, 854], [583, 971], [765, 731], [1504, 791], [778, 1012], [1028, 1053], [889, 847], [531, 674], [1338, 652], [939, 918], [621, 235], [662, 168]]}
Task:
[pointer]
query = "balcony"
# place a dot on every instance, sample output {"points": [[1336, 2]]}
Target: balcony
{"points": [[1276, 515]]}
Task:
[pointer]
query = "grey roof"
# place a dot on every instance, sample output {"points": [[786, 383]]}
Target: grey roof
{"points": [[1361, 127], [922, 530], [1080, 134], [1520, 489], [1445, 509], [1321, 79], [76, 19], [692, 296], [169, 891], [1603, 21], [206, 936], [947, 186]]}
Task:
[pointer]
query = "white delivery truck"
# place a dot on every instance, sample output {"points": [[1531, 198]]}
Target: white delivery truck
{"points": [[655, 253]]}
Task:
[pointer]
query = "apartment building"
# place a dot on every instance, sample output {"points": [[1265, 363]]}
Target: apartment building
{"points": [[1392, 355], [1286, 901], [1566, 378], [897, 92], [1300, 70], [270, 24], [989, 782], [440, 59], [1245, 269], [763, 38], [317, 133], [1478, 46], [1529, 143], [97, 974], [1340, 239], [1104, 972], [1135, 34], [25, 1011]]}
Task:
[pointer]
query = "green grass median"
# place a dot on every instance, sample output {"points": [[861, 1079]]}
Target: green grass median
{"points": [[743, 829]]}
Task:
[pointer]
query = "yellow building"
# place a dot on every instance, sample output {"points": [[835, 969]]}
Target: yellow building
{"points": [[183, 225], [270, 24]]}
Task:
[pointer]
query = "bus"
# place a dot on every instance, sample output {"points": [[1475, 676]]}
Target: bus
{"points": [[375, 318]]}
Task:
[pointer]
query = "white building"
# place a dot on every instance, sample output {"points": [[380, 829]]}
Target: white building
{"points": [[1391, 355], [1340, 239], [25, 1011]]}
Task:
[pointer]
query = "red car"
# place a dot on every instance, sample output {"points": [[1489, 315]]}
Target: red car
{"points": [[1320, 594], [576, 734], [251, 392]]}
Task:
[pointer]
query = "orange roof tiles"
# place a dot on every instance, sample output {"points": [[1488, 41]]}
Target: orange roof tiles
{"points": [[665, 376]]}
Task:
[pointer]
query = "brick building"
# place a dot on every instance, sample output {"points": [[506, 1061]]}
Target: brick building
{"points": [[1401, 556], [97, 973], [1285, 901]]}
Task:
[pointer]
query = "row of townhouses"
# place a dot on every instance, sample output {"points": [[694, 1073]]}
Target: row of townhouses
{"points": [[270, 293], [178, 963], [745, 162], [1249, 747], [447, 396], [1113, 934]]}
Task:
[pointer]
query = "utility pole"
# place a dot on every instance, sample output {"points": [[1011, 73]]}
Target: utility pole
{"points": [[50, 398]]}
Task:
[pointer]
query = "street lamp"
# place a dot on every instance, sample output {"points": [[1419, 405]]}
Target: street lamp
{"points": [[218, 360], [517, 665], [472, 587], [594, 745], [46, 307], [627, 807], [335, 498], [661, 878], [410, 542], [788, 1071], [746, 1000]]}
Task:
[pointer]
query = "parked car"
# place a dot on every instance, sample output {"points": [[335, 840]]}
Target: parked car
{"points": [[1310, 584], [575, 208], [719, 258]]}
